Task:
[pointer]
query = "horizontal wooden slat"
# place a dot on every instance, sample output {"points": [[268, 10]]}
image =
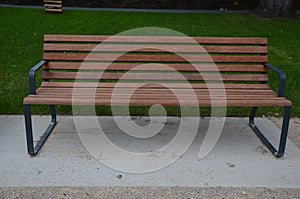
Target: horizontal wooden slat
{"points": [[53, 5], [154, 76], [154, 48], [153, 58], [133, 67], [31, 99], [66, 85], [54, 10], [155, 92], [52, 1], [164, 96], [154, 39]]}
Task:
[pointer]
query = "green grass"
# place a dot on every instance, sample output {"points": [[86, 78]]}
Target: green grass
{"points": [[22, 30]]}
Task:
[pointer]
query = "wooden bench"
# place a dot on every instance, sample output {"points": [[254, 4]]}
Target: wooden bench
{"points": [[53, 6], [240, 62]]}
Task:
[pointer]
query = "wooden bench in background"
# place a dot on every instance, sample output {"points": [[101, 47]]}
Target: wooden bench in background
{"points": [[241, 62], [53, 6]]}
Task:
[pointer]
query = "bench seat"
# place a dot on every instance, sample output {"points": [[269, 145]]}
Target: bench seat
{"points": [[63, 93]]}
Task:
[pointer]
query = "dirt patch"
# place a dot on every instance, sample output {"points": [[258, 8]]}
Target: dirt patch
{"points": [[261, 150]]}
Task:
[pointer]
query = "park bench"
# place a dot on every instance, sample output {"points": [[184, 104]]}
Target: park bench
{"points": [[242, 64], [53, 6]]}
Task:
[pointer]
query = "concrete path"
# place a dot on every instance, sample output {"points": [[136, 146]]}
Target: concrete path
{"points": [[238, 160]]}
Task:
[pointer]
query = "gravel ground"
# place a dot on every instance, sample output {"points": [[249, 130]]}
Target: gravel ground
{"points": [[147, 192]]}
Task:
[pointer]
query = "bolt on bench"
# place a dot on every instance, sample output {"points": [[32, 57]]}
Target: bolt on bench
{"points": [[240, 62]]}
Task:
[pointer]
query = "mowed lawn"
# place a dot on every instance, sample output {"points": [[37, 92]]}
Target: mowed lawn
{"points": [[22, 31]]}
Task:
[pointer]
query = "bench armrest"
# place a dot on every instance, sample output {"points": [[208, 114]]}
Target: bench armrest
{"points": [[282, 78], [32, 72]]}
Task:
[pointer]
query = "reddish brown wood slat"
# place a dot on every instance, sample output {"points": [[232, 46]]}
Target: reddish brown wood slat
{"points": [[154, 76], [133, 67], [153, 58], [154, 48], [164, 96], [66, 85], [154, 92], [31, 99], [154, 39]]}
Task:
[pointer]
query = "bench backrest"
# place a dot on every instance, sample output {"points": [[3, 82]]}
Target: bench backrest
{"points": [[239, 60]]}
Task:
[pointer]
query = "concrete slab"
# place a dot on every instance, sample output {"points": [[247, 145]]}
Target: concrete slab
{"points": [[238, 160]]}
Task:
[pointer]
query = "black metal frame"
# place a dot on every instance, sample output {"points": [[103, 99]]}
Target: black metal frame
{"points": [[31, 148], [286, 118]]}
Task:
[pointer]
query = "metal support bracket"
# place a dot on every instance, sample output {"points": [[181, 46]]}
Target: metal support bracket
{"points": [[284, 131], [32, 72], [286, 118], [282, 78], [31, 148]]}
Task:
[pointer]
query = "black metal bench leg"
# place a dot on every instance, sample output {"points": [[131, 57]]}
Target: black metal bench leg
{"points": [[284, 130], [33, 150]]}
